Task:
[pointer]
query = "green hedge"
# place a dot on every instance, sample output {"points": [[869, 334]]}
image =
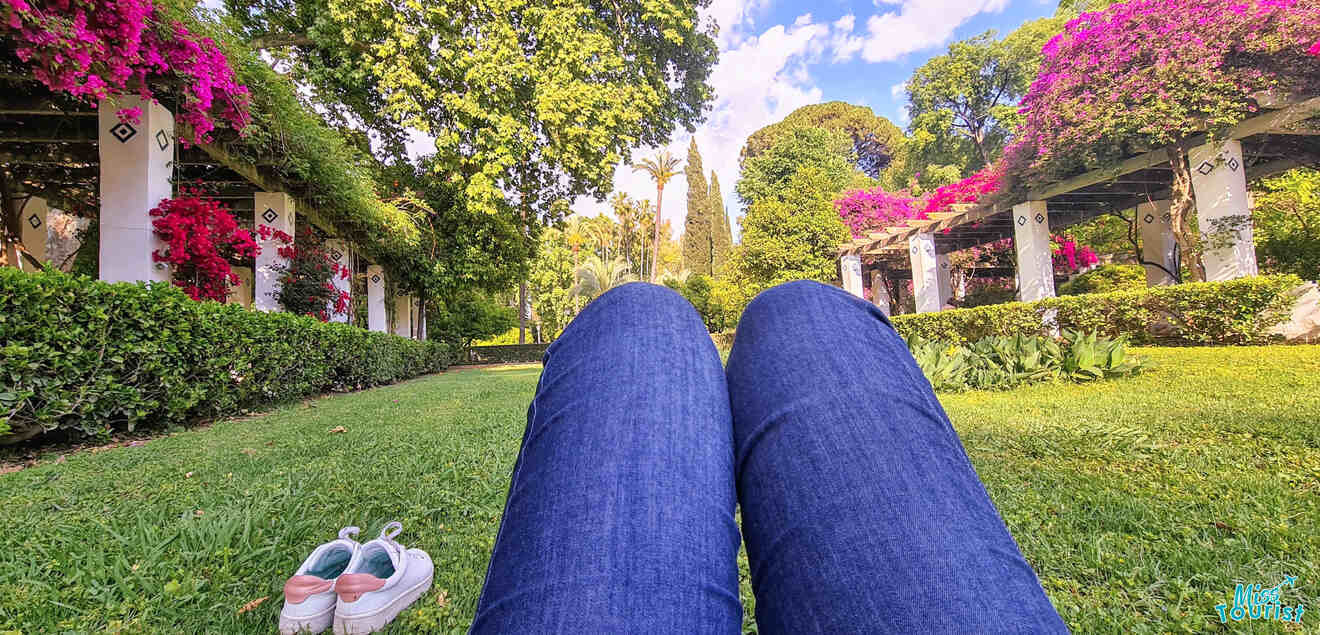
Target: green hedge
{"points": [[83, 355], [1235, 312]]}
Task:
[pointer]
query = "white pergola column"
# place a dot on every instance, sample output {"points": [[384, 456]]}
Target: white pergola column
{"points": [[943, 279], [376, 299], [421, 321], [276, 211], [1219, 180], [850, 267], [35, 230], [403, 316], [881, 293], [342, 255], [1031, 238], [136, 164], [1157, 242], [925, 272]]}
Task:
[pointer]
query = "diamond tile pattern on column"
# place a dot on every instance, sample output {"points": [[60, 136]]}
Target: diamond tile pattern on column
{"points": [[1150, 218], [1233, 164], [162, 139], [1040, 218], [336, 255], [34, 221], [269, 215], [1206, 167], [122, 131], [376, 278], [1022, 220]]}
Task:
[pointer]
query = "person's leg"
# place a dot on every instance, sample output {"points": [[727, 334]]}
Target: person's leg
{"points": [[620, 516], [860, 509]]}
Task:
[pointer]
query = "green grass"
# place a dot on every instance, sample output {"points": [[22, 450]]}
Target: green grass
{"points": [[1140, 502]]}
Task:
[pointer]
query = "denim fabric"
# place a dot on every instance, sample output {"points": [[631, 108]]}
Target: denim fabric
{"points": [[860, 509], [620, 514]]}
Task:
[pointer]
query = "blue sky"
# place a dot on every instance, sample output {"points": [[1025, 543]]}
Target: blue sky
{"points": [[779, 55]]}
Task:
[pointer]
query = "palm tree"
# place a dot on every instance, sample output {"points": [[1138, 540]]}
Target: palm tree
{"points": [[575, 234], [662, 168], [596, 276], [645, 227], [626, 212]]}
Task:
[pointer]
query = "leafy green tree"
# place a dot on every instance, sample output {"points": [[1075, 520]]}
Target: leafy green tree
{"points": [[661, 168], [793, 234], [550, 281], [528, 102], [458, 319], [722, 230], [876, 146], [698, 227], [963, 104], [1286, 224], [766, 174], [699, 290]]}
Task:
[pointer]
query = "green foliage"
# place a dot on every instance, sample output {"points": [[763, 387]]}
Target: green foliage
{"points": [[700, 291], [793, 234], [550, 284], [459, 319], [766, 174], [1106, 279], [595, 276], [1234, 312], [1001, 363], [876, 147], [92, 357], [87, 260], [1286, 224], [723, 230], [699, 225]]}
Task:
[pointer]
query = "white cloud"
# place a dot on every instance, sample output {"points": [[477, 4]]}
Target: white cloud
{"points": [[911, 25], [898, 90]]}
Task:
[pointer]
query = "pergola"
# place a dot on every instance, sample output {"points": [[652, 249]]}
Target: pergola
{"points": [[1285, 135], [61, 153]]}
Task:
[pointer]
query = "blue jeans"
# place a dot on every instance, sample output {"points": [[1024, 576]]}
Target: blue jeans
{"points": [[861, 511]]}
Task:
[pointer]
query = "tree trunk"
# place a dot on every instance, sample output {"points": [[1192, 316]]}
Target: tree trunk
{"points": [[1182, 206], [655, 252]]}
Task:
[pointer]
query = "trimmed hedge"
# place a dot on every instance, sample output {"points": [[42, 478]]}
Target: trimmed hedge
{"points": [[503, 354], [1238, 311], [82, 355]]}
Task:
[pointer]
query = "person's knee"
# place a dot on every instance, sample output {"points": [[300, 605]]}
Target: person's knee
{"points": [[791, 297], [643, 296]]}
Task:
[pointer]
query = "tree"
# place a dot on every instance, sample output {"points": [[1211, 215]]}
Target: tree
{"points": [[722, 231], [596, 276], [460, 318], [698, 227], [550, 282], [661, 168], [1167, 70], [1286, 224], [791, 235], [766, 174], [875, 145], [963, 104]]}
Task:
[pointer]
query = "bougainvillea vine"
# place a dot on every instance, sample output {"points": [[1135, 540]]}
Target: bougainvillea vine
{"points": [[201, 237], [92, 49], [865, 211]]}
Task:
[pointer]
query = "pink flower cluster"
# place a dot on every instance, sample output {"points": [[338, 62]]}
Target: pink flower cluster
{"points": [[1069, 257], [201, 237], [1146, 73], [865, 211], [91, 49], [968, 190]]}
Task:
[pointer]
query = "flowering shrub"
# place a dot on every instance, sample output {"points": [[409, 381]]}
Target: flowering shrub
{"points": [[1148, 73], [201, 238], [968, 190], [306, 281], [1069, 257], [865, 211], [92, 48]]}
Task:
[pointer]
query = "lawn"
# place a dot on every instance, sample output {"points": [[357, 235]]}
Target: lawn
{"points": [[1140, 502]]}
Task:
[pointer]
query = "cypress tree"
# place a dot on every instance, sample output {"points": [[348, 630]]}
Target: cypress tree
{"points": [[697, 229], [722, 234]]}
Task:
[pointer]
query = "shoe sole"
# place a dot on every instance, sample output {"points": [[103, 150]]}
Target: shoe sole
{"points": [[378, 619], [300, 625]]}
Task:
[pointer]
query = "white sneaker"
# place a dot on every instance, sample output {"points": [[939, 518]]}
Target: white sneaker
{"points": [[383, 579], [309, 596]]}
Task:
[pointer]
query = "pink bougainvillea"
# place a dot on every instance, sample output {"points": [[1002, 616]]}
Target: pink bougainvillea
{"points": [[91, 49], [865, 211], [1069, 257], [201, 237], [1148, 73], [968, 190]]}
